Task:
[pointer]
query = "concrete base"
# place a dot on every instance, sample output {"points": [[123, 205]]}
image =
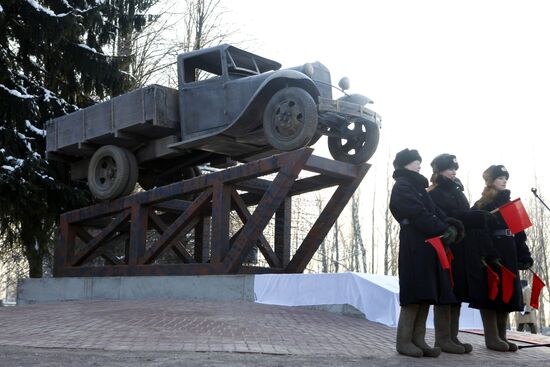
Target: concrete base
{"points": [[203, 287]]}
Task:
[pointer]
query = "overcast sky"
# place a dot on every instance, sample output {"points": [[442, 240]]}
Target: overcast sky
{"points": [[470, 78]]}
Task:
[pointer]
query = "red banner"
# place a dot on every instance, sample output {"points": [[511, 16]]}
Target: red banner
{"points": [[515, 216], [440, 250], [507, 283], [492, 283], [538, 284]]}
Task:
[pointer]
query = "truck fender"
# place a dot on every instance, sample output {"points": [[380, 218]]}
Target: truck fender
{"points": [[276, 81]]}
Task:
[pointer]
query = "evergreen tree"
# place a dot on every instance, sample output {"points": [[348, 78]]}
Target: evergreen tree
{"points": [[52, 62]]}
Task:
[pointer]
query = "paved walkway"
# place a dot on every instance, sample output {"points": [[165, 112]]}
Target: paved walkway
{"points": [[290, 334]]}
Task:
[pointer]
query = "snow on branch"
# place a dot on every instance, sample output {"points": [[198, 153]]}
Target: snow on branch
{"points": [[86, 47], [16, 93], [34, 129], [45, 10]]}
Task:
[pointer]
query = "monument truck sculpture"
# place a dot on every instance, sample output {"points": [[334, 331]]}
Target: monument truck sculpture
{"points": [[230, 106]]}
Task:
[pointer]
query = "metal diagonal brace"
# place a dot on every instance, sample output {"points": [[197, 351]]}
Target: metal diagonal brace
{"points": [[186, 220], [270, 202], [324, 223], [97, 241]]}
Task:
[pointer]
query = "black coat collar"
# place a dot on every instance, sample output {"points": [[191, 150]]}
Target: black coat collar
{"points": [[416, 178], [448, 184], [502, 197]]}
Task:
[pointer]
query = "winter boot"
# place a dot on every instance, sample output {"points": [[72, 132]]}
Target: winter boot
{"points": [[419, 332], [502, 320], [492, 338], [442, 323], [455, 317], [405, 328]]}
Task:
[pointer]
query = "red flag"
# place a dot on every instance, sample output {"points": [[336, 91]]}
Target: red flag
{"points": [[507, 283], [538, 284], [440, 250], [450, 258], [515, 216], [492, 283]]}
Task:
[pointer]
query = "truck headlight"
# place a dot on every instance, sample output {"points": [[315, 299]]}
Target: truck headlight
{"points": [[308, 69]]}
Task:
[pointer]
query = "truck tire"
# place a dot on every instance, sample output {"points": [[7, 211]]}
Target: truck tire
{"points": [[111, 172], [359, 149], [290, 119], [133, 176]]}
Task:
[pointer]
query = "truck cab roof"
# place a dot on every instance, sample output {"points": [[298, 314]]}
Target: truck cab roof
{"points": [[238, 61]]}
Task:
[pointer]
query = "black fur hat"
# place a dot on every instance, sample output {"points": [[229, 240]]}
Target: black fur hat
{"points": [[444, 161], [405, 157], [493, 172]]}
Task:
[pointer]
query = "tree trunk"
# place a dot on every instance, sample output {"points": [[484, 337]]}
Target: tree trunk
{"points": [[335, 246]]}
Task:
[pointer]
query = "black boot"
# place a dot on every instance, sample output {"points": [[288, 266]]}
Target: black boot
{"points": [[490, 329], [502, 320], [405, 328], [455, 318], [442, 323], [419, 333]]}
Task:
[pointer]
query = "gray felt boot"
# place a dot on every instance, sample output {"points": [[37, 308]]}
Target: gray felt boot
{"points": [[442, 323], [405, 328], [502, 320], [492, 338], [419, 332], [455, 318]]}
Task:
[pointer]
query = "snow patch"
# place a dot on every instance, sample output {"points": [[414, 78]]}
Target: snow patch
{"points": [[8, 168]]}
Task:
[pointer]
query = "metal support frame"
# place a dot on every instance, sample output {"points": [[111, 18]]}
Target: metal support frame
{"points": [[185, 228]]}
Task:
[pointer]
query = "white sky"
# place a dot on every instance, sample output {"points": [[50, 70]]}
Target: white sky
{"points": [[470, 78]]}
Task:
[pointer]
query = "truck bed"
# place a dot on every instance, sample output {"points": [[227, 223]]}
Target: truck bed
{"points": [[127, 121]]}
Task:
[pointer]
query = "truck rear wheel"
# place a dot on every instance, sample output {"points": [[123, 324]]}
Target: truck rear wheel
{"points": [[290, 119], [361, 147], [112, 172]]}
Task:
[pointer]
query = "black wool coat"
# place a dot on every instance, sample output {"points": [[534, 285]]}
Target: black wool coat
{"points": [[421, 277], [466, 265], [509, 250]]}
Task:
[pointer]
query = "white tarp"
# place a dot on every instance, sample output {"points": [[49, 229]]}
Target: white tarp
{"points": [[377, 296]]}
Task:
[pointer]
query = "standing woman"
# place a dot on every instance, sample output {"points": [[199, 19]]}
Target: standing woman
{"points": [[422, 280], [447, 192], [511, 251]]}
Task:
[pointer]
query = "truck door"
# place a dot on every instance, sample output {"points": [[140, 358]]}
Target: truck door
{"points": [[201, 93]]}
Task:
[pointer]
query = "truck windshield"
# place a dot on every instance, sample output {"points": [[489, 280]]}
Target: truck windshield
{"points": [[240, 63]]}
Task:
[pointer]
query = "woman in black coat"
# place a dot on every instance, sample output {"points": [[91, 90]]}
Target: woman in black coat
{"points": [[422, 280], [447, 193], [511, 252]]}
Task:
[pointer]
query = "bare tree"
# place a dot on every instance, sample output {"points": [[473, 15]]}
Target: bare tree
{"points": [[323, 248], [174, 27], [537, 237], [373, 232], [356, 235], [335, 260]]}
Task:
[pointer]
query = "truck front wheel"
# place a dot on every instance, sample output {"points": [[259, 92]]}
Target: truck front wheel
{"points": [[358, 143], [290, 119], [112, 172]]}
